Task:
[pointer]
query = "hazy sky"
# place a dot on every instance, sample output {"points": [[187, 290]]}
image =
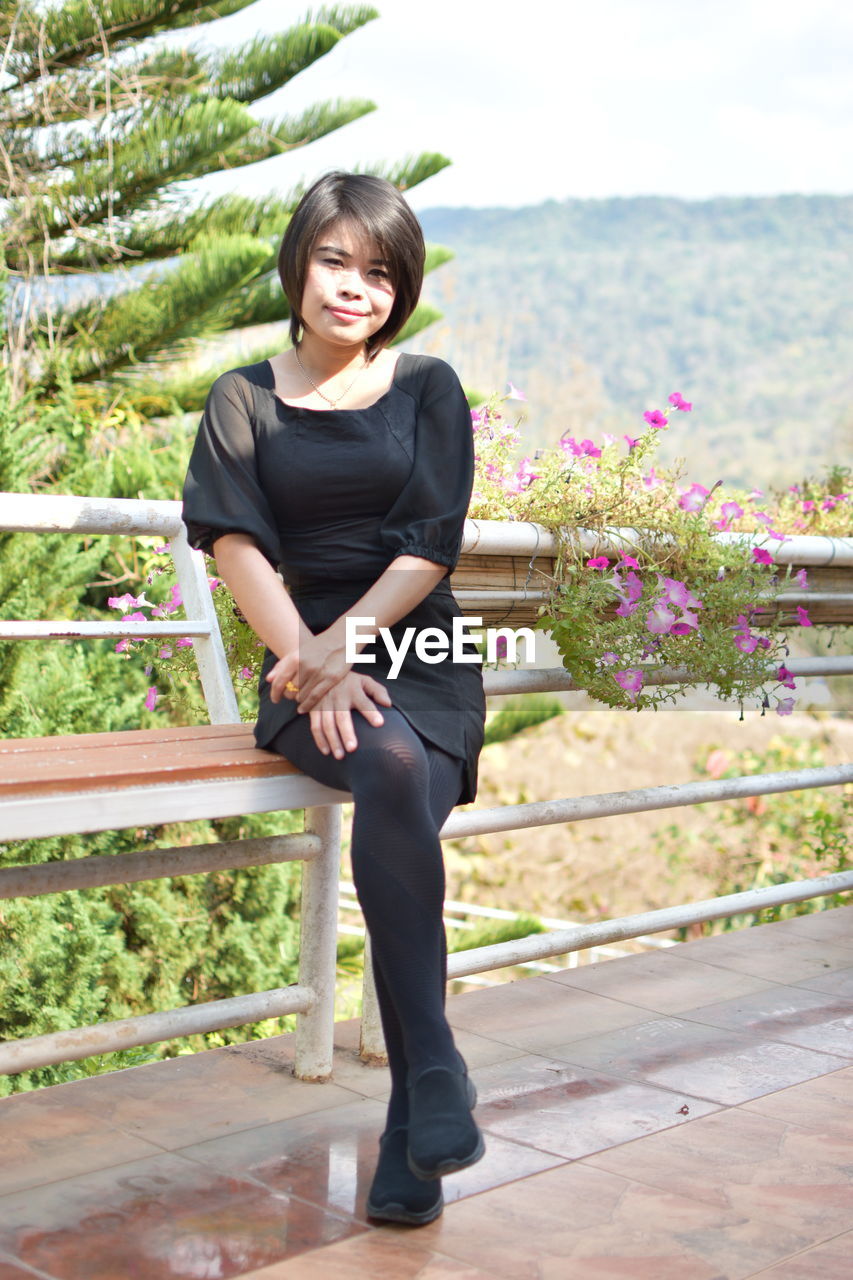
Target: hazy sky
{"points": [[561, 98]]}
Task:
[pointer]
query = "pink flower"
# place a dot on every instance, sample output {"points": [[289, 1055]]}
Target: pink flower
{"points": [[686, 623], [655, 418], [501, 647], [659, 619], [693, 499], [763, 517], [803, 617], [631, 442], [651, 480], [754, 495], [513, 392], [679, 402], [161, 551], [151, 698], [808, 505], [184, 643], [598, 562], [172, 605], [801, 578], [728, 511], [784, 677], [628, 562], [760, 556], [213, 583], [609, 657], [785, 706], [123, 645], [746, 642], [679, 593], [134, 617], [246, 672], [626, 608], [127, 601], [165, 652], [630, 680]]}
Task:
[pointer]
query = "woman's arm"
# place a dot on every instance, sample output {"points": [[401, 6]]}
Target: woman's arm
{"points": [[260, 593], [318, 666]]}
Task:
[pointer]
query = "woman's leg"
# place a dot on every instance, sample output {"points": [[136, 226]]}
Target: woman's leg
{"points": [[403, 789]]}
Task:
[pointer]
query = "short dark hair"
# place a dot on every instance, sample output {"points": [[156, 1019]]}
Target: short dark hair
{"points": [[378, 210]]}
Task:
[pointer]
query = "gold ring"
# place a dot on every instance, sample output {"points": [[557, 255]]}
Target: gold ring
{"points": [[290, 687]]}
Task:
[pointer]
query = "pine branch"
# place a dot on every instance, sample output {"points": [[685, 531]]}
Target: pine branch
{"points": [[288, 133], [69, 36], [162, 314]]}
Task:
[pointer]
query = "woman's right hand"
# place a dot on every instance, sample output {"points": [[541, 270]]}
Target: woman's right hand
{"points": [[331, 717]]}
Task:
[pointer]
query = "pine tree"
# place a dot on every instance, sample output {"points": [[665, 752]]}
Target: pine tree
{"points": [[99, 123]]}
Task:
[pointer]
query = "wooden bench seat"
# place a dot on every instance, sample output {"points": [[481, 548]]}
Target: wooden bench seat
{"points": [[101, 781]]}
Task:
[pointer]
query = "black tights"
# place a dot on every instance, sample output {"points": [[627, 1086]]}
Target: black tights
{"points": [[403, 789]]}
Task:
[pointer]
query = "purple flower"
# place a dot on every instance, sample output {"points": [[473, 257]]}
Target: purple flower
{"points": [[659, 619], [803, 617], [655, 418], [630, 680], [760, 556], [609, 657], [785, 706], [628, 561], [801, 578], [783, 675], [151, 698], [598, 562]]}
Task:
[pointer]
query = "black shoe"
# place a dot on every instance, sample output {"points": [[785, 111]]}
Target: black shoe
{"points": [[443, 1135], [396, 1195]]}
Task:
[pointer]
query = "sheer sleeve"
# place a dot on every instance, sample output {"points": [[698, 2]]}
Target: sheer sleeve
{"points": [[222, 492], [428, 516]]}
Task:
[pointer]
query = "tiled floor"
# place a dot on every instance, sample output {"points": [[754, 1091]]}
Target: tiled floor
{"points": [[673, 1115]]}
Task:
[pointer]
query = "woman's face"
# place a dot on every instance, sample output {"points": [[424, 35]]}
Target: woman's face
{"points": [[348, 292]]}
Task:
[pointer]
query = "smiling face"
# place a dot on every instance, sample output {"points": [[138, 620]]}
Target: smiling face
{"points": [[348, 293]]}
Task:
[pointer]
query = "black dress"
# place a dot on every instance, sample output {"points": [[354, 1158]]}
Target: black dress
{"points": [[331, 497]]}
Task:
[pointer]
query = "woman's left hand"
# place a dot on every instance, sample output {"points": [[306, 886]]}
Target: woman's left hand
{"points": [[310, 671]]}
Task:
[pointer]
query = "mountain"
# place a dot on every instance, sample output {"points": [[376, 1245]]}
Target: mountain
{"points": [[598, 309]]}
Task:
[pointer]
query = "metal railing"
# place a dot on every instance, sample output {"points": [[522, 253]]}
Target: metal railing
{"points": [[313, 997]]}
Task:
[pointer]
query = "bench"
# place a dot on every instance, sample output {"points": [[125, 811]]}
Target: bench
{"points": [[139, 778]]}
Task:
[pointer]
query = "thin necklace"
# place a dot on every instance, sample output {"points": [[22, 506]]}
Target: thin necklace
{"points": [[328, 399]]}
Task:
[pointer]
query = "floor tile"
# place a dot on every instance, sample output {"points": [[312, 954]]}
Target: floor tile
{"points": [[571, 1111], [706, 1062], [584, 1222], [662, 981], [43, 1138], [748, 1165], [160, 1218], [202, 1095], [387, 1254], [820, 1104], [836, 924], [829, 1261], [532, 1014], [813, 1019], [11, 1270], [791, 957], [837, 982], [329, 1158]]}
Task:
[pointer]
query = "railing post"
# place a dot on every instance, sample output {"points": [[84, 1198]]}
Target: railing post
{"points": [[371, 1046], [318, 945]]}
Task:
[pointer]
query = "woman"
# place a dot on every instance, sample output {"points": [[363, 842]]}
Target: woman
{"points": [[349, 468]]}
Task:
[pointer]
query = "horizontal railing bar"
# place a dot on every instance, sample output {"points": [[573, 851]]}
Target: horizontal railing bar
{"points": [[100, 630], [153, 864], [539, 946], [497, 595], [28, 512], [66, 513], [525, 538], [152, 1028], [557, 679], [606, 804]]}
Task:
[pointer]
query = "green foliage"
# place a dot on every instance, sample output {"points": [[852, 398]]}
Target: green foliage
{"points": [[102, 126], [521, 713], [765, 840], [490, 932], [68, 959]]}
